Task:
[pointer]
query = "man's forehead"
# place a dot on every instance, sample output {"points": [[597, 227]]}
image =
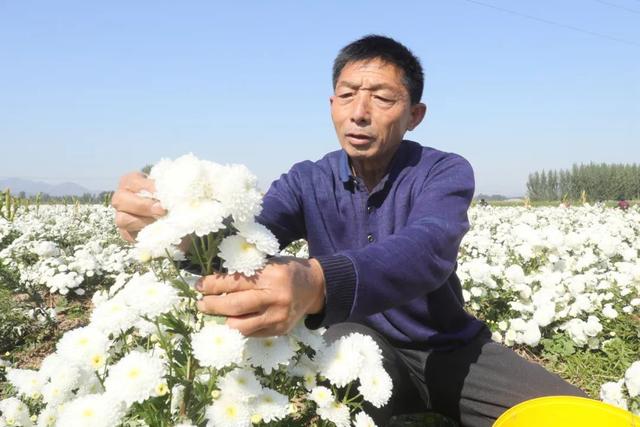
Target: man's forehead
{"points": [[384, 74]]}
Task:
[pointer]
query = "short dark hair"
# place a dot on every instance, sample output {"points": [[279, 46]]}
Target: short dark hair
{"points": [[388, 50]]}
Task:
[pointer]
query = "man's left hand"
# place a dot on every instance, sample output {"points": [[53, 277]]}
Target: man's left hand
{"points": [[269, 303]]}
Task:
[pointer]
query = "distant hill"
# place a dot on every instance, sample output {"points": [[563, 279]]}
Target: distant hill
{"points": [[495, 197], [31, 188]]}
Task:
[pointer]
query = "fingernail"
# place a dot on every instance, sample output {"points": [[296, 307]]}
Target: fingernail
{"points": [[157, 209], [199, 285]]}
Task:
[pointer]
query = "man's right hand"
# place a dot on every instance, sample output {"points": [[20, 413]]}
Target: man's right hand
{"points": [[134, 212]]}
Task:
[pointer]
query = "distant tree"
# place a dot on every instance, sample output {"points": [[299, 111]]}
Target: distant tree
{"points": [[597, 181]]}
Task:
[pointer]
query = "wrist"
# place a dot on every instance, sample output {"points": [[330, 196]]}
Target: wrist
{"points": [[317, 283]]}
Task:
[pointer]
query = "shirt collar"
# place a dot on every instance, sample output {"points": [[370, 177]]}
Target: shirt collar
{"points": [[344, 168], [396, 164]]}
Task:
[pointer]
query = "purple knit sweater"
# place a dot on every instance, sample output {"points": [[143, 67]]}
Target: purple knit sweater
{"points": [[389, 255]]}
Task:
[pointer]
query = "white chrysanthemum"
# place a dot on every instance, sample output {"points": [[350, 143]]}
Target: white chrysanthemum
{"points": [[89, 383], [113, 316], [26, 381], [14, 413], [201, 217], [218, 346], [95, 410], [308, 337], [240, 256], [545, 314], [147, 296], [239, 194], [307, 369], [611, 392], [337, 413], [185, 180], [609, 312], [51, 365], [240, 384], [375, 386], [48, 417], [368, 349], [271, 405], [135, 377], [514, 274], [46, 249], [269, 353], [632, 379], [55, 393], [85, 346], [340, 362], [322, 396], [228, 412], [259, 235], [63, 379], [531, 334], [159, 238], [177, 394], [363, 420]]}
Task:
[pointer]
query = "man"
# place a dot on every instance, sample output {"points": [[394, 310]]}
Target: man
{"points": [[384, 218]]}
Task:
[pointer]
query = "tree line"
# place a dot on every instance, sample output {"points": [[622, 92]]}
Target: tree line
{"points": [[591, 181]]}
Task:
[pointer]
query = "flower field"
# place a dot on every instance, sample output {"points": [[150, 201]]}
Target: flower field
{"points": [[561, 285]]}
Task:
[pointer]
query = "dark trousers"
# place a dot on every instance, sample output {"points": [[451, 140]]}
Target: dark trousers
{"points": [[472, 384]]}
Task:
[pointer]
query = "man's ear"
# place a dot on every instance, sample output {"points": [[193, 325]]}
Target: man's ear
{"points": [[331, 98], [418, 112]]}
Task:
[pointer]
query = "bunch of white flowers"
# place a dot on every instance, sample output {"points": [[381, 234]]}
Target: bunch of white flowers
{"points": [[624, 393], [202, 198], [148, 355], [64, 249]]}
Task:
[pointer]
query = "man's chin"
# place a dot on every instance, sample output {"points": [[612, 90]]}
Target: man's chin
{"points": [[358, 150]]}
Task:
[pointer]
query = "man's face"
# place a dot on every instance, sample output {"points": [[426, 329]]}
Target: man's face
{"points": [[371, 111]]}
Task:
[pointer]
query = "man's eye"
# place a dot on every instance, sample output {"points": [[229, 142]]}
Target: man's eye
{"points": [[383, 99], [345, 95]]}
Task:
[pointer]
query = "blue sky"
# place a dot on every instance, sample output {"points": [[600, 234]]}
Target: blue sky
{"points": [[91, 90]]}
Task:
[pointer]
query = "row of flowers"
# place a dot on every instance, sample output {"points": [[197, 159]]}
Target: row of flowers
{"points": [[535, 275], [543, 275]]}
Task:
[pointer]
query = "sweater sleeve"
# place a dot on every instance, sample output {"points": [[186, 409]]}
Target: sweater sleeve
{"points": [[282, 211], [412, 262]]}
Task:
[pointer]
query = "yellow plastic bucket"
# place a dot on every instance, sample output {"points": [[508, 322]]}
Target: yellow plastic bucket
{"points": [[566, 411]]}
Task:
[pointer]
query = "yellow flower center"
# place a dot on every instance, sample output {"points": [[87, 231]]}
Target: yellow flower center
{"points": [[134, 373], [231, 411], [88, 413], [162, 389], [97, 360]]}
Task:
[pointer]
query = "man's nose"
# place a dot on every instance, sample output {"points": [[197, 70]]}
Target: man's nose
{"points": [[361, 113]]}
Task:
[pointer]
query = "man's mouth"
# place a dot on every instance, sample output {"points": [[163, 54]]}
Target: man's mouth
{"points": [[359, 137]]}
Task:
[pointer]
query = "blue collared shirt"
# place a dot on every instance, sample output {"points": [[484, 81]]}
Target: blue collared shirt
{"points": [[389, 254]]}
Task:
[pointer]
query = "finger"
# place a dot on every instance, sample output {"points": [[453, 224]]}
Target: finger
{"points": [[251, 326], [132, 223], [258, 325], [128, 236], [136, 181], [234, 304], [216, 284], [126, 201]]}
